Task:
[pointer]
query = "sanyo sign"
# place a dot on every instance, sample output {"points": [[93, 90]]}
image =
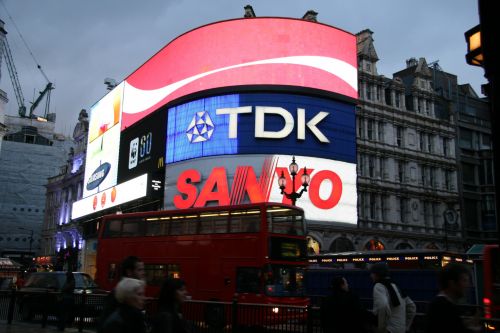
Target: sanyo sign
{"points": [[253, 123], [233, 180]]}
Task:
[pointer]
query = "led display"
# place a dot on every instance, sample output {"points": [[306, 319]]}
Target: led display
{"points": [[131, 190], [101, 166], [238, 179], [260, 51], [268, 123]]}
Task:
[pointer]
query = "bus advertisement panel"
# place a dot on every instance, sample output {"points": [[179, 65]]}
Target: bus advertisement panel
{"points": [[237, 179]]}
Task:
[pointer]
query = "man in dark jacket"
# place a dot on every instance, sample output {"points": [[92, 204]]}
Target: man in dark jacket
{"points": [[131, 267], [342, 311], [443, 314]]}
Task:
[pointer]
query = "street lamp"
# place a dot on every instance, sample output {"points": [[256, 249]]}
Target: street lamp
{"points": [[31, 236], [305, 179], [474, 54]]}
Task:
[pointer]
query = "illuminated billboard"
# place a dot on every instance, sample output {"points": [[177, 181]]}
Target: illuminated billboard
{"points": [[244, 52], [142, 147], [101, 165], [239, 179], [261, 123], [131, 190]]}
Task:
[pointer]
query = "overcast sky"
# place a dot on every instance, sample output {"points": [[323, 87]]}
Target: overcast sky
{"points": [[79, 43]]}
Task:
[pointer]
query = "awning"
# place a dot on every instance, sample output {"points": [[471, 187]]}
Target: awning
{"points": [[9, 265], [476, 250]]}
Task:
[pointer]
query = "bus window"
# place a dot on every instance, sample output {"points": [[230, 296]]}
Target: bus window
{"points": [[157, 273], [113, 228], [156, 226], [285, 221], [132, 228], [247, 280], [245, 221], [284, 281], [214, 222], [111, 272], [183, 225], [287, 248]]}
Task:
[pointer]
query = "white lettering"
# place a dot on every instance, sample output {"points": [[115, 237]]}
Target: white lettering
{"points": [[260, 132], [233, 118], [311, 124]]}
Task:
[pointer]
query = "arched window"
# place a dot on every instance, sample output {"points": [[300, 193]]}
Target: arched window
{"points": [[313, 246], [374, 245], [404, 246], [342, 244]]}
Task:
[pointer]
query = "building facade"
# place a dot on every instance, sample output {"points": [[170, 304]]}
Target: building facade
{"points": [[62, 240], [408, 195], [31, 153]]}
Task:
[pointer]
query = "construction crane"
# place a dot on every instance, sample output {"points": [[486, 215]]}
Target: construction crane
{"points": [[5, 49]]}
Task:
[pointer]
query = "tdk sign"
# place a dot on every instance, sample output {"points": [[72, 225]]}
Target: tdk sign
{"points": [[254, 123]]}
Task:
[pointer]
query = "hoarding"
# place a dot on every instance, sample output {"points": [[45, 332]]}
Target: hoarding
{"points": [[131, 190], [142, 147], [266, 123], [233, 180], [101, 165], [244, 52]]}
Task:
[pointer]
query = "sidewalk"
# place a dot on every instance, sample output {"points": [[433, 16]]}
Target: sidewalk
{"points": [[21, 327]]}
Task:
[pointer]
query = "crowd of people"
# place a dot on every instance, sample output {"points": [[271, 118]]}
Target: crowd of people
{"points": [[393, 311]]}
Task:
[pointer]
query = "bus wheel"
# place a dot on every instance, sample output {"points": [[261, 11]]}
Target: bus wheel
{"points": [[215, 316]]}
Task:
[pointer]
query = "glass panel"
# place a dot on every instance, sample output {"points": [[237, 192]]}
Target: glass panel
{"points": [[133, 228], [113, 228], [157, 273], [156, 226], [214, 222], [245, 221], [184, 225], [287, 248], [283, 220], [285, 281]]}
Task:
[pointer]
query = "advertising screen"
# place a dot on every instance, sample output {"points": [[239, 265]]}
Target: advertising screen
{"points": [[101, 166], [133, 189], [261, 123], [232, 180], [142, 147], [243, 52]]}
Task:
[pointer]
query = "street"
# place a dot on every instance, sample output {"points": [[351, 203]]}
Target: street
{"points": [[21, 327]]}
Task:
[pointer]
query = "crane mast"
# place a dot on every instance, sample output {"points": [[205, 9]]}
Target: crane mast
{"points": [[11, 68]]}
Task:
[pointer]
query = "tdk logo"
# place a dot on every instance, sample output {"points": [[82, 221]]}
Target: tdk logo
{"points": [[201, 127]]}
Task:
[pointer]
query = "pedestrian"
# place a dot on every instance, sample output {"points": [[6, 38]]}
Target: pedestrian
{"points": [[66, 301], [169, 317], [342, 310], [128, 317], [131, 267], [443, 314], [394, 312]]}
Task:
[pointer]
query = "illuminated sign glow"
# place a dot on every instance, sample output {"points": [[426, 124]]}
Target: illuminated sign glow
{"points": [[236, 53], [233, 180], [101, 165], [133, 189], [251, 123]]}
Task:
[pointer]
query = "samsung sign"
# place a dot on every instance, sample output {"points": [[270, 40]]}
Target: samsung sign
{"points": [[250, 123]]}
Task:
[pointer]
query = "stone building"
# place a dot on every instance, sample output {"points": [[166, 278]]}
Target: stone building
{"points": [[408, 196], [61, 239]]}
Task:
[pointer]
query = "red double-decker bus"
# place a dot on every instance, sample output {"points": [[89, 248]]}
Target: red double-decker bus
{"points": [[255, 252], [491, 267]]}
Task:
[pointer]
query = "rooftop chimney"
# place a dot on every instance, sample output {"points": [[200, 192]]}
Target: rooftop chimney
{"points": [[310, 16], [249, 11]]}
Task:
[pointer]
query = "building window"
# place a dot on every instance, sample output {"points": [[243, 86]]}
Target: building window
{"points": [[368, 67], [430, 144], [465, 140], [486, 172], [371, 129], [361, 133], [399, 136], [423, 171], [401, 171], [427, 106], [419, 105], [403, 209], [485, 141], [383, 167], [377, 88], [371, 198], [374, 245], [397, 99], [445, 147], [469, 173], [447, 179], [371, 166], [432, 178], [368, 92], [422, 141], [361, 160], [381, 132], [384, 207]]}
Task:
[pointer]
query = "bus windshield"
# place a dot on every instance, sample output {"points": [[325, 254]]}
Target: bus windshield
{"points": [[284, 280], [283, 220]]}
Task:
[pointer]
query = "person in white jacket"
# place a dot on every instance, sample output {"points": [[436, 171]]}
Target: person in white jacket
{"points": [[393, 311]]}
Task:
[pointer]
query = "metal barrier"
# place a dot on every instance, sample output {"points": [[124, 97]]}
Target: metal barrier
{"points": [[43, 308]]}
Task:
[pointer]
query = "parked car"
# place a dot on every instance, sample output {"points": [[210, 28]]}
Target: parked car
{"points": [[41, 293]]}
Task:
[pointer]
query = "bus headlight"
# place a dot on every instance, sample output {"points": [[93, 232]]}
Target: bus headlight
{"points": [[276, 310]]}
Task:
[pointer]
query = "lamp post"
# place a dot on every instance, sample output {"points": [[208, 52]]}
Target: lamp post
{"points": [[31, 236], [305, 178]]}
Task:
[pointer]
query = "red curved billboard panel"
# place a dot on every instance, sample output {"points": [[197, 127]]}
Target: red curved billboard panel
{"points": [[259, 51]]}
